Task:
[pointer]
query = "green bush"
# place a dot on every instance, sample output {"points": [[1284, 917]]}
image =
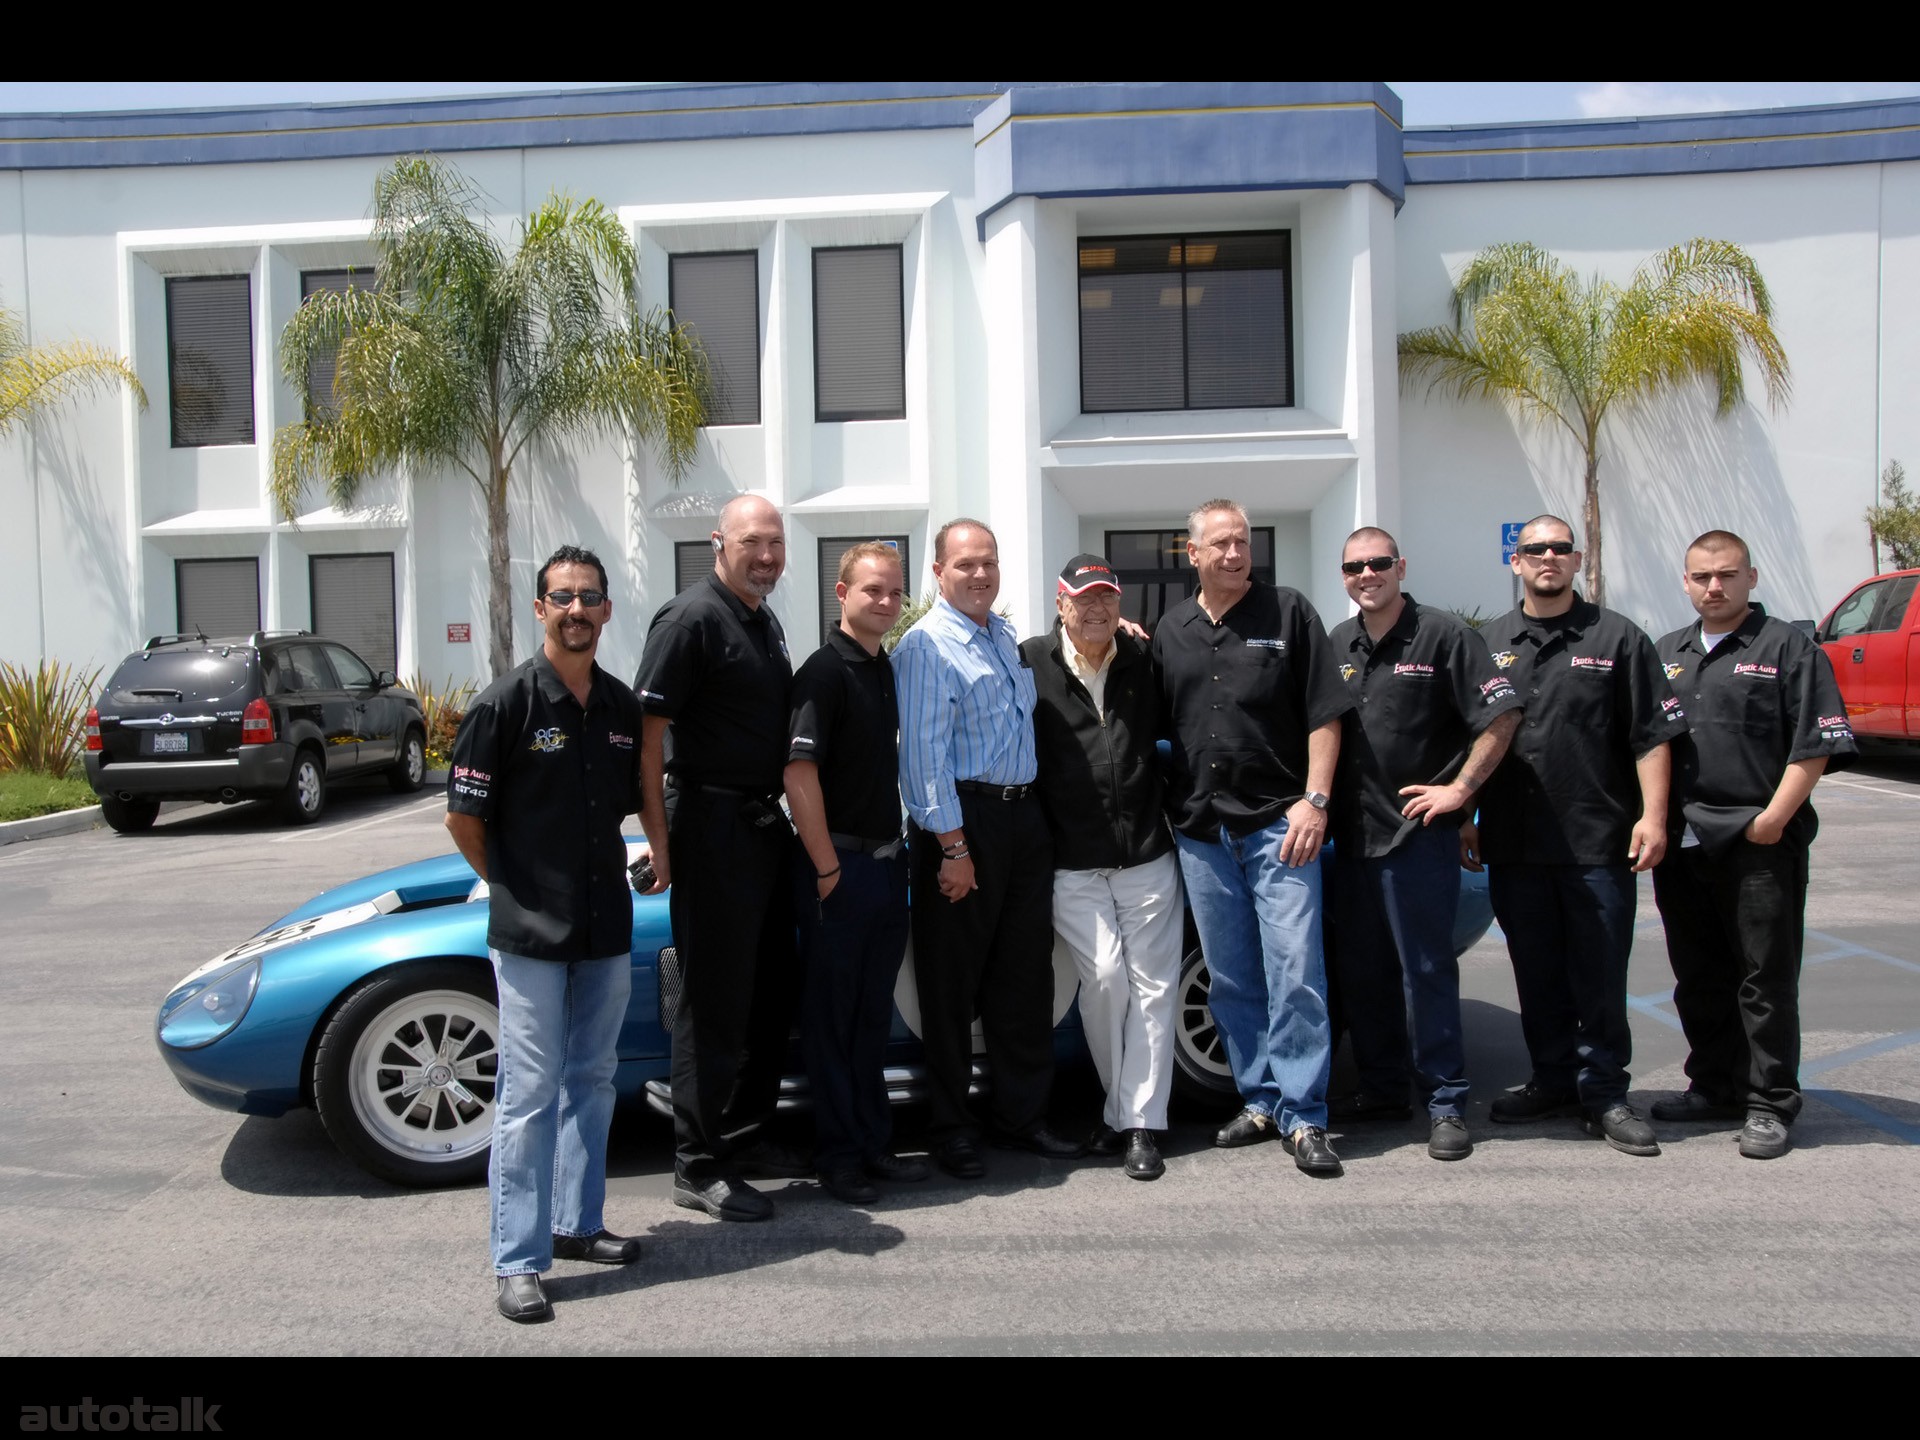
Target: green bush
{"points": [[446, 706], [43, 712]]}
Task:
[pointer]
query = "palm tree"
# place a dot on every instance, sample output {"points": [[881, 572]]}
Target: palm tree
{"points": [[34, 379], [1526, 329], [465, 353]]}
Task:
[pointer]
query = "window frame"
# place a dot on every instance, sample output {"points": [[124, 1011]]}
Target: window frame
{"points": [[824, 417], [393, 592], [173, 282], [179, 594]]}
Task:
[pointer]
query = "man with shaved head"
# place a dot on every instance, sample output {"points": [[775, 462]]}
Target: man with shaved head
{"points": [[716, 681]]}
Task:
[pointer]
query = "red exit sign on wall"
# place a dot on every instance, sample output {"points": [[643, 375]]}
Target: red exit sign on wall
{"points": [[460, 634]]}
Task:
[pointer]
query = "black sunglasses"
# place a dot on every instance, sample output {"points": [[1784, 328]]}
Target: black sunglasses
{"points": [[592, 599], [1536, 548], [1377, 564]]}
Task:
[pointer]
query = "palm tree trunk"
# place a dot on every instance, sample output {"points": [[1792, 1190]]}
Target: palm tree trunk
{"points": [[1596, 583], [499, 578]]}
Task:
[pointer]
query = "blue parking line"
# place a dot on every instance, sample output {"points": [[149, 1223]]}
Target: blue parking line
{"points": [[1848, 948], [1860, 1052], [1860, 1110], [1651, 1005]]}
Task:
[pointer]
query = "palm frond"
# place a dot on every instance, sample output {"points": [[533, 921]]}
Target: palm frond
{"points": [[35, 379]]}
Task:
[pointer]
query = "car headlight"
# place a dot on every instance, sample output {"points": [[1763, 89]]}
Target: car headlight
{"points": [[205, 1007]]}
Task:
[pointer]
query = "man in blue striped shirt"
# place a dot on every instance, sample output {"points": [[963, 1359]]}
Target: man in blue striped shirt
{"points": [[981, 855]]}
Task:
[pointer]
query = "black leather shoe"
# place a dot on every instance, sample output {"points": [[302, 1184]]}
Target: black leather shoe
{"points": [[522, 1300], [1105, 1141], [1364, 1105], [1249, 1127], [1620, 1126], [724, 1199], [603, 1248], [849, 1187], [1039, 1141], [895, 1168], [1764, 1136], [1143, 1156], [1311, 1152], [959, 1159], [770, 1160], [1532, 1101], [1448, 1139], [1691, 1107]]}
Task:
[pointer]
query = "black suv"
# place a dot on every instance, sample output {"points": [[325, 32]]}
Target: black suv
{"points": [[279, 715]]}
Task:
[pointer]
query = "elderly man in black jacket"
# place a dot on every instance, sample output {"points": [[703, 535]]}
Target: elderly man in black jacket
{"points": [[1116, 882]]}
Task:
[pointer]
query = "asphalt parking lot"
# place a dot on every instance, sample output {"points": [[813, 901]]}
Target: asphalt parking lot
{"points": [[141, 1223]]}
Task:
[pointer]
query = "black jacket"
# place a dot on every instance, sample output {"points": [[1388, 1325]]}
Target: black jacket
{"points": [[1099, 776]]}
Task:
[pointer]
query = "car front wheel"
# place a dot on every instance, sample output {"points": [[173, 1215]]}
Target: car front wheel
{"points": [[409, 772], [405, 1073], [1200, 1071], [306, 793]]}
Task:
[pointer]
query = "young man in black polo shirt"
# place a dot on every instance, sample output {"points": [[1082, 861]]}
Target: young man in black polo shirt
{"points": [[715, 670], [545, 768], [1766, 721], [1255, 707], [1576, 811], [843, 785], [1433, 720]]}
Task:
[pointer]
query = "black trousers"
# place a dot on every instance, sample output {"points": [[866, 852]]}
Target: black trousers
{"points": [[732, 908], [852, 944], [1569, 931], [989, 954], [1736, 930]]}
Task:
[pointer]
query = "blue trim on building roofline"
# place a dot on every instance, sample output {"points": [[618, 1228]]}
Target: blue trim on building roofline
{"points": [[264, 133], [1856, 133]]}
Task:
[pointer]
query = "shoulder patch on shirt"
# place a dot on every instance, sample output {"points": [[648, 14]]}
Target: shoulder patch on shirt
{"points": [[549, 742], [1503, 658], [1834, 727], [651, 695], [1280, 645], [1498, 688], [1670, 707]]}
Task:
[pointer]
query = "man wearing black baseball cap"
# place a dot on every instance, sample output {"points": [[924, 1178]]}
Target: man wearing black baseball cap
{"points": [[1116, 883]]}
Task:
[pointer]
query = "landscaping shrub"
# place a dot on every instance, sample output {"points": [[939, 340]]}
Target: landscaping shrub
{"points": [[43, 712]]}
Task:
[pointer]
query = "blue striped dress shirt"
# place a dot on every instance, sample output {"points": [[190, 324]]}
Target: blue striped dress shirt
{"points": [[966, 712]]}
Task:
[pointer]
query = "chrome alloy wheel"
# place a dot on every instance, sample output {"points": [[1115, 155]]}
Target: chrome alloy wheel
{"points": [[422, 1076]]}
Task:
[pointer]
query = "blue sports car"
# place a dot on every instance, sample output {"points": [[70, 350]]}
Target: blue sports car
{"points": [[374, 1003]]}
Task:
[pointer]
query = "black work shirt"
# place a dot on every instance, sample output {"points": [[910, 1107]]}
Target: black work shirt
{"points": [[1762, 698], [1596, 701], [847, 722], [1424, 691], [1242, 696], [720, 672], [553, 780]]}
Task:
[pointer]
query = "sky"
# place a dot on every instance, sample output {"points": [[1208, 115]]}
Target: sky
{"points": [[1426, 102]]}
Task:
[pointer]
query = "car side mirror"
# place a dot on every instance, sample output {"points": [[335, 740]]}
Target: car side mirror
{"points": [[385, 680]]}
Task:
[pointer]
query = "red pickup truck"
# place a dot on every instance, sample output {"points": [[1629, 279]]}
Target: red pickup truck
{"points": [[1873, 639]]}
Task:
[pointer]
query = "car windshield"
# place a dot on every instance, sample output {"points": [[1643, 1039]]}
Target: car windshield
{"points": [[180, 676]]}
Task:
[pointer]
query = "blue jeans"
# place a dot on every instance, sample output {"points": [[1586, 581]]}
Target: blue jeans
{"points": [[1394, 961], [1259, 924], [558, 1024]]}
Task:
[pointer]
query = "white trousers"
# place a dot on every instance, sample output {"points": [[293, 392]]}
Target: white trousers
{"points": [[1123, 929]]}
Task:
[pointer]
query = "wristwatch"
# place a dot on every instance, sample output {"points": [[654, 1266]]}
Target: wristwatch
{"points": [[1315, 799]]}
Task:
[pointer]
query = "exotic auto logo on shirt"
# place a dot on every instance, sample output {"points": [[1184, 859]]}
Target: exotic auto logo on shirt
{"points": [[549, 742], [1670, 706], [1834, 727], [1412, 668], [1498, 688], [467, 772], [1602, 663], [1754, 667], [625, 742], [1503, 658]]}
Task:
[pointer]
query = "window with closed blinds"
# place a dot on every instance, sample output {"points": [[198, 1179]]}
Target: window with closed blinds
{"points": [[1155, 574], [717, 297], [217, 598], [692, 563], [210, 360], [321, 374], [859, 334], [831, 552], [353, 603], [1186, 322]]}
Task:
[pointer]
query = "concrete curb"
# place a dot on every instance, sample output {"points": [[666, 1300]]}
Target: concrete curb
{"points": [[41, 827]]}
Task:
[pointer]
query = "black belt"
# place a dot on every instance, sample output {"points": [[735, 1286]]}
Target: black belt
{"points": [[860, 845], [771, 797], [998, 792]]}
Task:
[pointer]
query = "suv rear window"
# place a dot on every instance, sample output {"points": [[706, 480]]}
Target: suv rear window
{"points": [[182, 675]]}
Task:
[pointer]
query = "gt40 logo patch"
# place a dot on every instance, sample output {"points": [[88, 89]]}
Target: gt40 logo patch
{"points": [[1503, 659], [1347, 672], [1674, 672], [549, 742]]}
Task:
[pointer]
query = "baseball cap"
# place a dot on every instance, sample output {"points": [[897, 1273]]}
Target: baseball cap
{"points": [[1086, 572]]}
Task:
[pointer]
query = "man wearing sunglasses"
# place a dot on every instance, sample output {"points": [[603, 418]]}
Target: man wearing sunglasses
{"points": [[1575, 812], [545, 768], [1433, 718]]}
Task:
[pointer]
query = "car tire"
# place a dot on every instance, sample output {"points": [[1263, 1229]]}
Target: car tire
{"points": [[1200, 1072], [305, 796], [129, 817], [404, 1074], [409, 772]]}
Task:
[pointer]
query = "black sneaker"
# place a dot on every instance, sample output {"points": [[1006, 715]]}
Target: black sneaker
{"points": [[1532, 1101], [1311, 1152], [1621, 1126], [1764, 1137]]}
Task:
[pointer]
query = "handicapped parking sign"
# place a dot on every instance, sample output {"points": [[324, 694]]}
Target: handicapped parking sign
{"points": [[1510, 539]]}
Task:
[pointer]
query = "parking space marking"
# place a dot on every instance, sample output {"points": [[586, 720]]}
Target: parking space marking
{"points": [[309, 837], [1865, 1051], [1859, 1109], [1846, 949], [1876, 789]]}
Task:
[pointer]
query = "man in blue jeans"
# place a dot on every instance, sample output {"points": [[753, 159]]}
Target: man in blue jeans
{"points": [[1255, 708], [545, 768], [1434, 718]]}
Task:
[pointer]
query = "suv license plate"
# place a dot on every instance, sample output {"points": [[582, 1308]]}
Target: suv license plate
{"points": [[170, 744]]}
